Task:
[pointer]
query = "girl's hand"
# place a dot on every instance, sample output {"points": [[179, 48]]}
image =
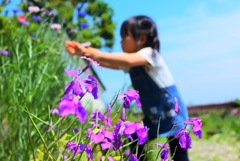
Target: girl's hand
{"points": [[74, 48]]}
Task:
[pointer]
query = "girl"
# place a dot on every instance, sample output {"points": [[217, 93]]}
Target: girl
{"points": [[149, 75]]}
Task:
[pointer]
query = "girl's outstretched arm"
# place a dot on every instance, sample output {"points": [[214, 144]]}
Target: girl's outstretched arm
{"points": [[110, 60]]}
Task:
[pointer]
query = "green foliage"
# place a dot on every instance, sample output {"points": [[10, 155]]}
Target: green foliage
{"points": [[33, 79], [221, 124], [98, 17]]}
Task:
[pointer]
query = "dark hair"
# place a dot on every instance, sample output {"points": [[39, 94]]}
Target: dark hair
{"points": [[141, 25]]}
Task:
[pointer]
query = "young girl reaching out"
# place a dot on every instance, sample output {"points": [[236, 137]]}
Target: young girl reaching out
{"points": [[149, 75]]}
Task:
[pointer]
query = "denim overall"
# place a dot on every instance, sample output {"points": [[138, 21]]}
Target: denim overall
{"points": [[158, 103]]}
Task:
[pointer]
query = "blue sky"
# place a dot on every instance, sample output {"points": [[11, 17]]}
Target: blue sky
{"points": [[199, 41]]}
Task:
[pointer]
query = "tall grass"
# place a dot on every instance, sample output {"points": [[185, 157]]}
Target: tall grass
{"points": [[32, 77]]}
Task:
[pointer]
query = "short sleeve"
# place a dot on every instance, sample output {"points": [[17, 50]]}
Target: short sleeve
{"points": [[149, 54]]}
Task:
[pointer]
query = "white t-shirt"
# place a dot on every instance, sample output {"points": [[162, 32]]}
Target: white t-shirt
{"points": [[157, 68]]}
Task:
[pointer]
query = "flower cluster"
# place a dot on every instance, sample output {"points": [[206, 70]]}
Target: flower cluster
{"points": [[183, 135], [102, 131], [70, 103], [38, 14]]}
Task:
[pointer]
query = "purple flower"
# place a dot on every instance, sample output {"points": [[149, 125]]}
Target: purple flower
{"points": [[123, 114], [164, 154], [129, 96], [71, 105], [34, 35], [98, 137], [108, 135], [66, 107], [142, 134], [107, 119], [89, 152], [133, 158], [74, 86], [76, 130], [127, 152], [81, 113], [76, 148], [72, 73], [81, 14], [24, 22], [127, 129], [196, 126], [90, 63], [118, 131], [15, 11], [185, 140], [83, 25], [4, 52], [37, 18], [130, 128], [46, 12], [106, 144], [96, 115], [54, 111], [177, 109], [91, 86]]}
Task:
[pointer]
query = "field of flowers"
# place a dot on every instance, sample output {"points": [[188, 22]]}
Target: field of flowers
{"points": [[42, 115]]}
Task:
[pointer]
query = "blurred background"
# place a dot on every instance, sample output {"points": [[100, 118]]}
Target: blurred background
{"points": [[199, 41]]}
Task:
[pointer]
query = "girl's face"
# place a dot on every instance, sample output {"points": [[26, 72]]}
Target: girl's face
{"points": [[130, 45]]}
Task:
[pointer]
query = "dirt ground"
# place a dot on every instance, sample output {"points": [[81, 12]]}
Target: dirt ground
{"points": [[207, 150]]}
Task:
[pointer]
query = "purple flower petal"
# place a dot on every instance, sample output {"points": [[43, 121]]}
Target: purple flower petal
{"points": [[196, 126], [24, 22], [133, 158], [130, 128], [142, 135], [4, 52], [91, 85], [185, 140], [81, 113], [176, 105], [98, 137], [81, 14], [109, 135], [83, 25], [15, 11], [106, 144], [129, 96], [96, 114], [89, 152], [123, 114], [164, 154], [72, 73], [66, 107], [37, 18], [54, 111]]}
